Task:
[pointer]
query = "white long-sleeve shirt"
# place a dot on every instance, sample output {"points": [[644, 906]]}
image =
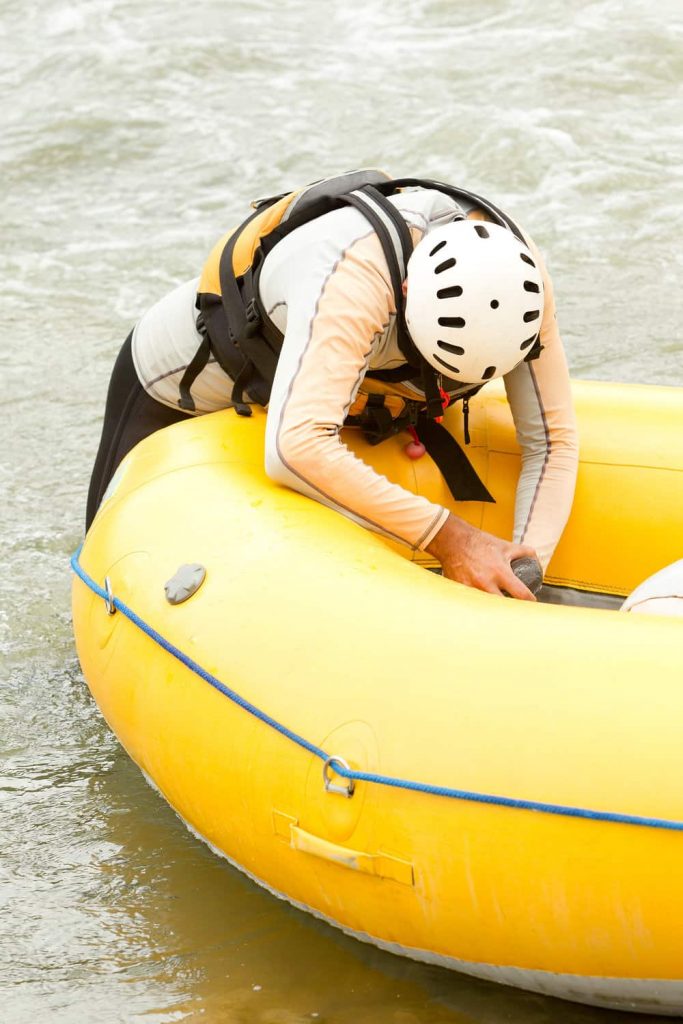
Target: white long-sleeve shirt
{"points": [[327, 287]]}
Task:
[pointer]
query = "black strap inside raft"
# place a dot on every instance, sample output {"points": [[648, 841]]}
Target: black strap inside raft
{"points": [[377, 425], [455, 467]]}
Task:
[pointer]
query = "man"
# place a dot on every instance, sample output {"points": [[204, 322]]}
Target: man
{"points": [[476, 303]]}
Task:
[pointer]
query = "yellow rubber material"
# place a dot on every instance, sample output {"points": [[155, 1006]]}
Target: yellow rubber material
{"points": [[332, 631]]}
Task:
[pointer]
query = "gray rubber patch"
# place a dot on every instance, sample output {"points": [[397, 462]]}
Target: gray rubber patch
{"points": [[186, 582]]}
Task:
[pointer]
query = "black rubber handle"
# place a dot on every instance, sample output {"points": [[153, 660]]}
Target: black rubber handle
{"points": [[529, 572]]}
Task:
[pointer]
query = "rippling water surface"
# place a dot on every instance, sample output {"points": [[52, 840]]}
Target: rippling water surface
{"points": [[132, 136]]}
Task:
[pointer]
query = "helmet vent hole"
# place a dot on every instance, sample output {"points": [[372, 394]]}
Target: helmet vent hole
{"points": [[446, 265], [532, 314], [529, 341], [488, 373], [481, 231], [495, 303], [451, 321], [437, 247], [531, 286], [449, 366], [527, 259], [455, 349], [454, 292]]}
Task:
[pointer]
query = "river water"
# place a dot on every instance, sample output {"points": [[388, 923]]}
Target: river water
{"points": [[132, 136]]}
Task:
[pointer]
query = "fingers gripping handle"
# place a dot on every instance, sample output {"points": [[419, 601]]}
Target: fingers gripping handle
{"points": [[529, 571]]}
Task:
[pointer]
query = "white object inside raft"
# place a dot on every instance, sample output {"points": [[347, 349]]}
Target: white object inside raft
{"points": [[661, 594]]}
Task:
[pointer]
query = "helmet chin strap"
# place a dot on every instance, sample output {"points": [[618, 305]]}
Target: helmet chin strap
{"points": [[429, 377], [535, 350], [431, 385]]}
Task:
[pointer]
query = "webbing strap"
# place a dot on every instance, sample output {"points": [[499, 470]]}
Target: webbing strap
{"points": [[401, 239], [230, 292], [235, 316], [496, 214], [390, 227], [350, 773], [193, 369], [387, 231], [456, 469], [241, 380], [376, 420], [396, 375]]}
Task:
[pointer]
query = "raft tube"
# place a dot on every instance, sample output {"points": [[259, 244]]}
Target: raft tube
{"points": [[516, 809]]}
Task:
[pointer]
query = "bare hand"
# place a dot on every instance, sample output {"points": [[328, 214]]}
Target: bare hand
{"points": [[479, 559]]}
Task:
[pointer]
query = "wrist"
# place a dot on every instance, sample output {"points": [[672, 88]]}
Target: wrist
{"points": [[453, 533]]}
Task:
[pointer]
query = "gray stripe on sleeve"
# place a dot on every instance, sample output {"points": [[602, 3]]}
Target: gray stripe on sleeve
{"points": [[548, 448]]}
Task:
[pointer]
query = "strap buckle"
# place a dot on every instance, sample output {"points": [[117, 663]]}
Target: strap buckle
{"points": [[253, 319]]}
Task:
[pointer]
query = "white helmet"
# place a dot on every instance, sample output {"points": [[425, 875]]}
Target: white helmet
{"points": [[474, 301]]}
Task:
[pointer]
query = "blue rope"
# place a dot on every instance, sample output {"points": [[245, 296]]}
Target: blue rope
{"points": [[358, 776], [191, 664]]}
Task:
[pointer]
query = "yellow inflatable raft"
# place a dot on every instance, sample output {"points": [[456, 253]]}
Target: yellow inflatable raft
{"points": [[505, 795]]}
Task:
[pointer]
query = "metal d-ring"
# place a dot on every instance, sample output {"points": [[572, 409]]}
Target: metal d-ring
{"points": [[332, 787], [109, 599]]}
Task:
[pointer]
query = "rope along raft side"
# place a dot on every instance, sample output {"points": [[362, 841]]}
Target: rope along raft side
{"points": [[115, 604]]}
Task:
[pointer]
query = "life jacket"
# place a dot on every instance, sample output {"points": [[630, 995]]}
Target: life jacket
{"points": [[246, 344]]}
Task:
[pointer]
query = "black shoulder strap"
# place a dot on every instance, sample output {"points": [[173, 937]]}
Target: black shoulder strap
{"points": [[397, 245], [496, 214], [236, 312], [402, 240]]}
